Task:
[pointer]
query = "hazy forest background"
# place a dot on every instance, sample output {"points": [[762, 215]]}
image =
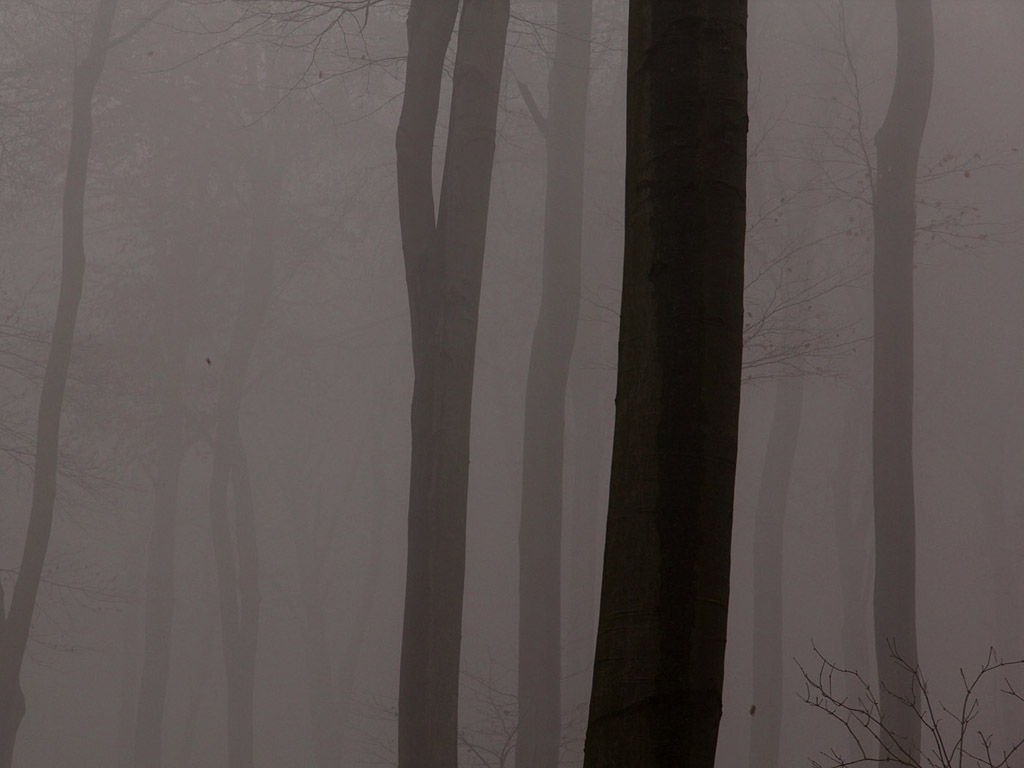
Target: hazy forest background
{"points": [[242, 370]]}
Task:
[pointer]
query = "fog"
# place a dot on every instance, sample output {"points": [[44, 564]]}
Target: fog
{"points": [[325, 345]]}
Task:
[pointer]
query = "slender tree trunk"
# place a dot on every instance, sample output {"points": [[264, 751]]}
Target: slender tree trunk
{"points": [[540, 530], [345, 679], [852, 543], [769, 525], [444, 264], [160, 599], [198, 680], [589, 497], [323, 707], [14, 628], [657, 696], [128, 693], [898, 142], [238, 576]]}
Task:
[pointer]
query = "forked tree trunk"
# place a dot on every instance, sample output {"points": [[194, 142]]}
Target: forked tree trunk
{"points": [[898, 142], [658, 673], [443, 264], [769, 526], [238, 575], [540, 529], [160, 599], [14, 627]]}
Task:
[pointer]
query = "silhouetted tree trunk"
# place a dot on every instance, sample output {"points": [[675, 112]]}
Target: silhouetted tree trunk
{"points": [[898, 142], [443, 265], [657, 696], [14, 627], [540, 530], [238, 576], [159, 598], [769, 529]]}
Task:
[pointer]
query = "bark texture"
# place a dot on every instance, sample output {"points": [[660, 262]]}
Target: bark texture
{"points": [[898, 142], [15, 626], [657, 694], [769, 529], [540, 530], [443, 265]]}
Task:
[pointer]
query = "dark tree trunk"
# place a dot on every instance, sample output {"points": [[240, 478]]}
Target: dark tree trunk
{"points": [[14, 628], [898, 142], [444, 264], [657, 696], [540, 530], [159, 601], [238, 577], [769, 525]]}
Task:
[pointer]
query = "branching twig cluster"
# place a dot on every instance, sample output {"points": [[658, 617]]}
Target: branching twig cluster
{"points": [[951, 735]]}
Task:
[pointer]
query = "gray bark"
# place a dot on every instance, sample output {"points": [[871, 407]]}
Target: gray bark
{"points": [[14, 627], [769, 529], [540, 531], [443, 264], [898, 142]]}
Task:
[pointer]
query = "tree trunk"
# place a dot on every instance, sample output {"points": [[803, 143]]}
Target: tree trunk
{"points": [[852, 544], [769, 525], [898, 142], [540, 530], [657, 696], [159, 605], [589, 497], [444, 264], [238, 580], [14, 627]]}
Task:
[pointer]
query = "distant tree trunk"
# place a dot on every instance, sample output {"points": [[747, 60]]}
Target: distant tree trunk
{"points": [[159, 600], [589, 499], [238, 578], [898, 142], [540, 530], [198, 676], [128, 689], [443, 264], [852, 543], [658, 673], [14, 627], [359, 630], [769, 525]]}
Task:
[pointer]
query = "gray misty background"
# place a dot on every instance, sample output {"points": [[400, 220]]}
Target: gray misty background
{"points": [[241, 204]]}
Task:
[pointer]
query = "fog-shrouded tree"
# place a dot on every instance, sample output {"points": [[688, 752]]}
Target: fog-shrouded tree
{"points": [[443, 256], [540, 532], [234, 535], [15, 625], [659, 664], [898, 144]]}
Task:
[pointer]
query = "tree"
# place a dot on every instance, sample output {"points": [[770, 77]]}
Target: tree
{"points": [[443, 267], [540, 532], [14, 627], [898, 143], [661, 639], [235, 546]]}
